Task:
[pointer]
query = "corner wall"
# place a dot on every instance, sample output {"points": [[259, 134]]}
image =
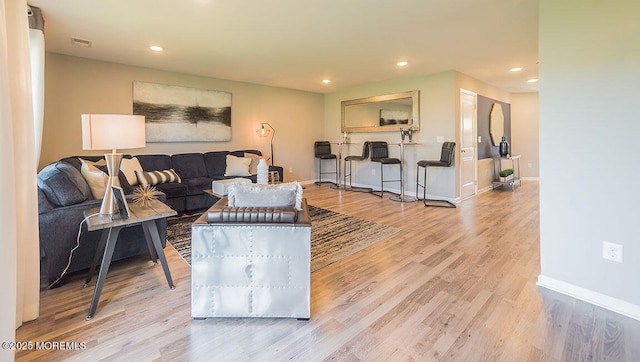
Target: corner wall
{"points": [[524, 133], [589, 126], [74, 86]]}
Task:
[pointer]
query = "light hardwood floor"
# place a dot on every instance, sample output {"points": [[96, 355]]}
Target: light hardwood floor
{"points": [[453, 284]]}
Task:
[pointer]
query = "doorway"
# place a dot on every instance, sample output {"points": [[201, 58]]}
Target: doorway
{"points": [[468, 144]]}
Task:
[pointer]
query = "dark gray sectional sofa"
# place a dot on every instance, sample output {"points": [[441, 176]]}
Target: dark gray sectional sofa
{"points": [[63, 195]]}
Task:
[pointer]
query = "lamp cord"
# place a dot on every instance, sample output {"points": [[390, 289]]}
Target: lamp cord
{"points": [[72, 250]]}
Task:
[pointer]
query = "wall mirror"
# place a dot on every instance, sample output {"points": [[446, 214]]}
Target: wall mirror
{"points": [[496, 124], [385, 113]]}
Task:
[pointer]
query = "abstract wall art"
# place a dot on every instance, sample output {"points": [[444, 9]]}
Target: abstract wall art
{"points": [[180, 114]]}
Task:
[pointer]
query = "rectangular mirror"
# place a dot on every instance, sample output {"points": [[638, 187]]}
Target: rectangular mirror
{"points": [[385, 113]]}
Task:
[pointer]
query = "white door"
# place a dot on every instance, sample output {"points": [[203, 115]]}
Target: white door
{"points": [[468, 144]]}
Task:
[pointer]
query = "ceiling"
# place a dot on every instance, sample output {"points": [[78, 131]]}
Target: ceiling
{"points": [[296, 44]]}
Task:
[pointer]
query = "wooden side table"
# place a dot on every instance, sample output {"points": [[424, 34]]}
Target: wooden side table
{"points": [[111, 226]]}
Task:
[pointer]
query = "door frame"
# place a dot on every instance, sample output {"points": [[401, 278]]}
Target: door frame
{"points": [[475, 138]]}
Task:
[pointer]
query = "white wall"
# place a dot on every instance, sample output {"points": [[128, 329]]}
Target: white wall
{"points": [[589, 78], [75, 85], [437, 113], [524, 133]]}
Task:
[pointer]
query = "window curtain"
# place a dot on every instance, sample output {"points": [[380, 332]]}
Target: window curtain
{"points": [[19, 256], [36, 54]]}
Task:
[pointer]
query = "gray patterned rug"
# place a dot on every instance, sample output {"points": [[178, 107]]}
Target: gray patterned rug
{"points": [[334, 236]]}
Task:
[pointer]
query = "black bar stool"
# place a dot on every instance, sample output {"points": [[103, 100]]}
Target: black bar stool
{"points": [[322, 150], [446, 159], [364, 156], [380, 153]]}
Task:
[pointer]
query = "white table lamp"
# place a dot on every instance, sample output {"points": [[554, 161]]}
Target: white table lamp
{"points": [[110, 132]]}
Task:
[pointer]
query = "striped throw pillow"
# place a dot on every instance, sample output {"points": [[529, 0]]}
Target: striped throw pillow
{"points": [[157, 177]]}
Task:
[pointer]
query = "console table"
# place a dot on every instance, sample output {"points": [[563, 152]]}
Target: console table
{"points": [[111, 226], [497, 167]]}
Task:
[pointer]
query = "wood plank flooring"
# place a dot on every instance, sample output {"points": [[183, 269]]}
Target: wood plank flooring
{"points": [[452, 285]]}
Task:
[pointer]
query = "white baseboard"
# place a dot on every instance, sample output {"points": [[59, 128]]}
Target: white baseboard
{"points": [[613, 304]]}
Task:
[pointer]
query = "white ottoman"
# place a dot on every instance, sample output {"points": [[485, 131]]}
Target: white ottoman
{"points": [[221, 187]]}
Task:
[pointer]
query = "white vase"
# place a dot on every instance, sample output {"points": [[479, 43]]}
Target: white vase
{"points": [[263, 172]]}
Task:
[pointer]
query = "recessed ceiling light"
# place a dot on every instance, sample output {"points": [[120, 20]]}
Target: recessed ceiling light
{"points": [[156, 48], [402, 63], [326, 81], [515, 69], [533, 80]]}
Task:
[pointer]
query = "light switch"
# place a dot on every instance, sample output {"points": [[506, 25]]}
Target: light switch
{"points": [[440, 139], [479, 139]]}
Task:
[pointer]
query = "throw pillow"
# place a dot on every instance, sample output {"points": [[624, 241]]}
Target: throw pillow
{"points": [[96, 179], [129, 166], [63, 184], [256, 195], [122, 179], [100, 162], [157, 177], [237, 166], [253, 166]]}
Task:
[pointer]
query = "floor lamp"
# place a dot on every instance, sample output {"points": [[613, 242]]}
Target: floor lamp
{"points": [[110, 132], [263, 132]]}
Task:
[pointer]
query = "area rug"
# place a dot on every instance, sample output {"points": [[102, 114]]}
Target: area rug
{"points": [[334, 236]]}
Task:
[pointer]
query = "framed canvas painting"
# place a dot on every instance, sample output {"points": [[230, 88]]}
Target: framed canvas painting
{"points": [[180, 114]]}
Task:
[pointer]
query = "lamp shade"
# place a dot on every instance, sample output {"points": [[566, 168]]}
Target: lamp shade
{"points": [[112, 131]]}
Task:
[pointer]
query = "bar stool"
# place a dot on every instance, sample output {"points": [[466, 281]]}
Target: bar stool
{"points": [[364, 156], [380, 153], [322, 150], [446, 159]]}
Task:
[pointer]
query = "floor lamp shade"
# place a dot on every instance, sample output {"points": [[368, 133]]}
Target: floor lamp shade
{"points": [[110, 132]]}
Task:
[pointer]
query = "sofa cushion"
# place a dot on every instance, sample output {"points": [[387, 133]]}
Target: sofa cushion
{"points": [[75, 160], [256, 195], [237, 166], [172, 189], [241, 153], [189, 165], [216, 163], [155, 162], [196, 185], [63, 184]]}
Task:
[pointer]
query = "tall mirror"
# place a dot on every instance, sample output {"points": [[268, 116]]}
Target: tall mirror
{"points": [[385, 113]]}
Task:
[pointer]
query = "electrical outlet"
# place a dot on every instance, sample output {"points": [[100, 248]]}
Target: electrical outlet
{"points": [[612, 251], [530, 165], [290, 169], [373, 171]]}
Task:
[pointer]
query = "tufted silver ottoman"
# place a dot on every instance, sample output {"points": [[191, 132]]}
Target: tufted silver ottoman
{"points": [[251, 263]]}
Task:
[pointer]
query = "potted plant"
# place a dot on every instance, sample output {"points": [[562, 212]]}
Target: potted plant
{"points": [[506, 175]]}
